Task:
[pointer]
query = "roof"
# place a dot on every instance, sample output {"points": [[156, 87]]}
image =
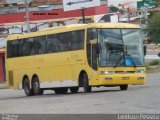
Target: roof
{"points": [[127, 3], [71, 28], [132, 9]]}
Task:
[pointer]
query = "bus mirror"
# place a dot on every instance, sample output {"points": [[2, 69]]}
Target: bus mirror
{"points": [[145, 50], [159, 54], [97, 49]]}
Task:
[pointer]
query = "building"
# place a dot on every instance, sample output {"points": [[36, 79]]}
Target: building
{"points": [[118, 2], [17, 6]]}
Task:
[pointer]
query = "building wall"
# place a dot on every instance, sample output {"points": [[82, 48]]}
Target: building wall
{"points": [[34, 15], [17, 1], [117, 2], [17, 6]]}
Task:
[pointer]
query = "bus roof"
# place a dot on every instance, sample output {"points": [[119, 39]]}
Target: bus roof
{"points": [[68, 28], [112, 25]]}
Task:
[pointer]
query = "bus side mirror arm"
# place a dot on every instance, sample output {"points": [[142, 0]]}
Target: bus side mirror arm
{"points": [[145, 50]]}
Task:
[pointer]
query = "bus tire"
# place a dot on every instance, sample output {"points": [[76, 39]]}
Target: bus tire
{"points": [[85, 83], [61, 90], [74, 89], [27, 89], [123, 87], [36, 87]]}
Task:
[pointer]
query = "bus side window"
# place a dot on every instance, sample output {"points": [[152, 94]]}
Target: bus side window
{"points": [[77, 41], [9, 49], [53, 44], [13, 48], [65, 39], [39, 44], [91, 35], [27, 46]]}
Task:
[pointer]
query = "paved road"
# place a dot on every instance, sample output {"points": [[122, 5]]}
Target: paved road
{"points": [[137, 99]]}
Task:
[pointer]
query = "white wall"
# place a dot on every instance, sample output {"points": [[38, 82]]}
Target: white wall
{"points": [[2, 42], [117, 2], [17, 1]]}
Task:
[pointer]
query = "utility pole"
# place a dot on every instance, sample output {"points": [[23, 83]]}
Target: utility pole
{"points": [[27, 17], [128, 15], [83, 14]]}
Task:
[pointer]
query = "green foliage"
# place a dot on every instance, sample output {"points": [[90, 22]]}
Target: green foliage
{"points": [[153, 66], [113, 8], [157, 2], [148, 67], [154, 62], [154, 28]]}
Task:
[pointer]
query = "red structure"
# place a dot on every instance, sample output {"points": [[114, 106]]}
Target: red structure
{"points": [[53, 14], [2, 66]]}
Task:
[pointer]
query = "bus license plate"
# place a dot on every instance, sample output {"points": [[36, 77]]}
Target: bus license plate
{"points": [[125, 78]]}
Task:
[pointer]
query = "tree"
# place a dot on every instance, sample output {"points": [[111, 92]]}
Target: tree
{"points": [[113, 8], [157, 3], [154, 28]]}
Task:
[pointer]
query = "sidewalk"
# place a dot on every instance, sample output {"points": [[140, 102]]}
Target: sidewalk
{"points": [[3, 86]]}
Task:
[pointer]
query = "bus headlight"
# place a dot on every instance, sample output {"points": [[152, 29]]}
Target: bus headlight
{"points": [[140, 78], [106, 72], [139, 71]]}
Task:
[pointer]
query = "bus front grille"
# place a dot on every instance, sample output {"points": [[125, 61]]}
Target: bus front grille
{"points": [[10, 77]]}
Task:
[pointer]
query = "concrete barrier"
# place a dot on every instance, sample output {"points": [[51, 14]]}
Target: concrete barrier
{"points": [[3, 86], [152, 57]]}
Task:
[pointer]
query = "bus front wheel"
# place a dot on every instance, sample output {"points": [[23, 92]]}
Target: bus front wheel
{"points": [[26, 85], [123, 87], [36, 87], [85, 84]]}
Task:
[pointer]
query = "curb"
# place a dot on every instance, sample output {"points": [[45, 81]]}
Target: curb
{"points": [[3, 86]]}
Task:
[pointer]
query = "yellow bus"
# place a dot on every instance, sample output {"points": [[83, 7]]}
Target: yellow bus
{"points": [[73, 56]]}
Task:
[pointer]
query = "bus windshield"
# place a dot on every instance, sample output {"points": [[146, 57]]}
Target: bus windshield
{"points": [[120, 47]]}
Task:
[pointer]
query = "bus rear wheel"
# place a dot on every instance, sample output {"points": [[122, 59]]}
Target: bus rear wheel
{"points": [[26, 85], [123, 87], [36, 87], [61, 90], [74, 89], [85, 83]]}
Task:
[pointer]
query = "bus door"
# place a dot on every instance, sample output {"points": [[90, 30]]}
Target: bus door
{"points": [[94, 60], [93, 54]]}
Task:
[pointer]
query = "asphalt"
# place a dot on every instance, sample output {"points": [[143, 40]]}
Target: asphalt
{"points": [[142, 99]]}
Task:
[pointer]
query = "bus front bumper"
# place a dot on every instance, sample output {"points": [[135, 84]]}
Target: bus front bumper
{"points": [[122, 79]]}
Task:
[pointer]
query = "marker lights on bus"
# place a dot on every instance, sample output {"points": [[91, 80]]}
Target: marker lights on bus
{"points": [[140, 78]]}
